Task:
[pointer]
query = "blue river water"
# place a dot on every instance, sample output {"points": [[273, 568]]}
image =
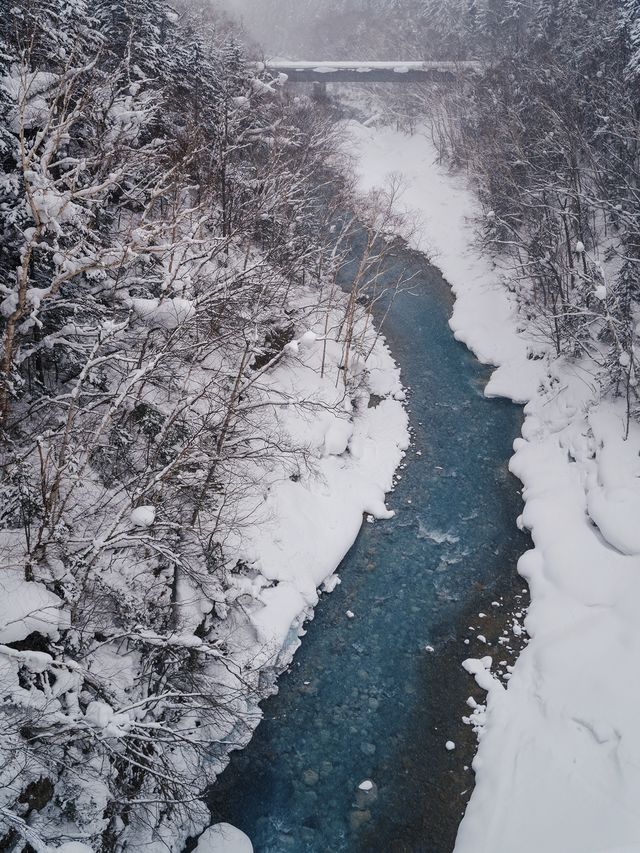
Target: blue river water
{"points": [[365, 699]]}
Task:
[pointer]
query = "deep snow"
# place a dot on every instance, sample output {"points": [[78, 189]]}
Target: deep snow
{"points": [[304, 526], [558, 763]]}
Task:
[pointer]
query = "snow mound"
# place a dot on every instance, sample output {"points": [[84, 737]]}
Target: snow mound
{"points": [[143, 516], [616, 511], [167, 314], [28, 607], [224, 838]]}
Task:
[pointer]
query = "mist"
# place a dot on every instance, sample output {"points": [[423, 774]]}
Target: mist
{"points": [[272, 23], [307, 29]]}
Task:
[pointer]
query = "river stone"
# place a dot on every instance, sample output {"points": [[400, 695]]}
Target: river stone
{"points": [[359, 818], [310, 777], [367, 796]]}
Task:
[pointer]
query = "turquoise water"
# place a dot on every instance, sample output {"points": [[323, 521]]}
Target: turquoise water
{"points": [[358, 701]]}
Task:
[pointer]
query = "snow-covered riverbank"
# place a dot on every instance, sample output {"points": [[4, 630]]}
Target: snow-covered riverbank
{"points": [[295, 517], [558, 765], [302, 525]]}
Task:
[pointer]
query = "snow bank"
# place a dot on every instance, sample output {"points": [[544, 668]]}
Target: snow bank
{"points": [[305, 524], [484, 317], [558, 764]]}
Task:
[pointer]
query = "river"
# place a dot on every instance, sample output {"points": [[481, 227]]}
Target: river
{"points": [[366, 698]]}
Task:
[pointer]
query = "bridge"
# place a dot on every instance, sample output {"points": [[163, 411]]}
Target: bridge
{"points": [[370, 72]]}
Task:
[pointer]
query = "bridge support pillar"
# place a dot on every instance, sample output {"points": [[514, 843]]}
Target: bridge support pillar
{"points": [[320, 91]]}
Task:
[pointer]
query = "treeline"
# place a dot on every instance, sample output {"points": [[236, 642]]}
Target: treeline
{"points": [[551, 133], [167, 225]]}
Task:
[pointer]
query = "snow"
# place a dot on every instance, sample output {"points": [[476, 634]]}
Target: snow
{"points": [[329, 67], [99, 714], [224, 838], [331, 583], [558, 763], [165, 314], [616, 512], [27, 607], [28, 90], [143, 516], [306, 526]]}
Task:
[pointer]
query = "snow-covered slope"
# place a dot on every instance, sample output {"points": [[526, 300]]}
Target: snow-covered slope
{"points": [[558, 765], [302, 526]]}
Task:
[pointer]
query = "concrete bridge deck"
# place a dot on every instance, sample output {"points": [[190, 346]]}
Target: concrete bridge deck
{"points": [[370, 72]]}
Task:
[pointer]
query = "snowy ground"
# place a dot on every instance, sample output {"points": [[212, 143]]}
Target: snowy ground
{"points": [[558, 764]]}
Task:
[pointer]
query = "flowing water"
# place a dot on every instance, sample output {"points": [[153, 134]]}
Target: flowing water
{"points": [[364, 698]]}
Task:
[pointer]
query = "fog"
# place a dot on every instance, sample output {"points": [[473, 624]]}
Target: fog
{"points": [[274, 24], [313, 29]]}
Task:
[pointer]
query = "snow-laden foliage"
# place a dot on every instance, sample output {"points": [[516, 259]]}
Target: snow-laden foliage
{"points": [[550, 132], [167, 251]]}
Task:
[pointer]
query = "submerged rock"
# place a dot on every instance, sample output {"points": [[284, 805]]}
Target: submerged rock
{"points": [[366, 793], [310, 777], [359, 818]]}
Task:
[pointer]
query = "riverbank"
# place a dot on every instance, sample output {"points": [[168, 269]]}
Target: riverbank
{"points": [[558, 764], [296, 526]]}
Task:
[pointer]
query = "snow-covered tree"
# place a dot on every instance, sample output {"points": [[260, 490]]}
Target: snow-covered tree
{"points": [[165, 235]]}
